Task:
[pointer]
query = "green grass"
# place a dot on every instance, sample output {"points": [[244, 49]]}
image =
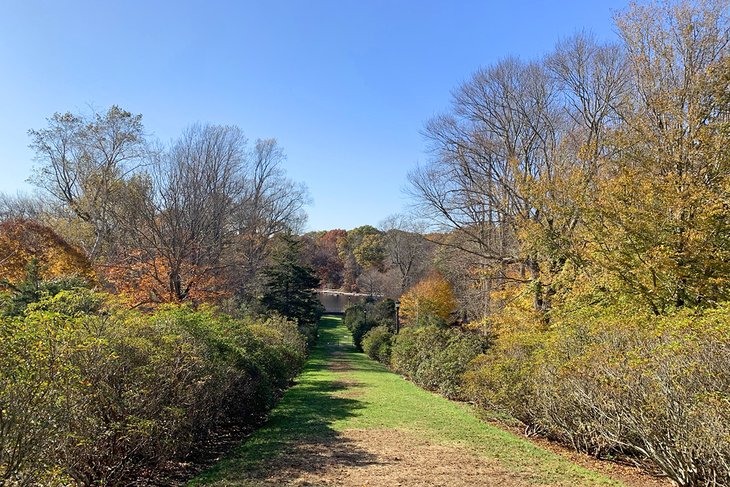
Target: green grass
{"points": [[312, 410]]}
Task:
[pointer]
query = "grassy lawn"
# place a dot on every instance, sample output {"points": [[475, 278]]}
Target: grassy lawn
{"points": [[342, 390]]}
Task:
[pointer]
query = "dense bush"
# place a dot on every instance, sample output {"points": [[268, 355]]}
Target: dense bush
{"points": [[377, 344], [361, 318], [430, 302], [357, 323], [436, 357], [32, 287], [656, 388], [308, 329], [383, 313], [90, 391]]}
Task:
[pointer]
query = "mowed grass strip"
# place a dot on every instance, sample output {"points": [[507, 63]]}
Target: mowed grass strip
{"points": [[342, 390]]}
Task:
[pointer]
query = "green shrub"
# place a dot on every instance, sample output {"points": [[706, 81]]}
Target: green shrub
{"points": [[361, 318], [16, 298], [308, 330], [502, 378], [436, 358], [383, 313], [35, 373], [145, 385], [377, 342], [659, 388], [357, 322], [92, 392]]}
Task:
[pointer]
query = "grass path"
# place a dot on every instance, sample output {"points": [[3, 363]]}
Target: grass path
{"points": [[349, 421]]}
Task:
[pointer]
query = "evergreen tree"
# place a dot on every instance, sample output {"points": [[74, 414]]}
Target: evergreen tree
{"points": [[290, 285]]}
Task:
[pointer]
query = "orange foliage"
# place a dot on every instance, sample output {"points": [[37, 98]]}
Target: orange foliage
{"points": [[147, 281], [431, 297], [330, 238], [21, 241]]}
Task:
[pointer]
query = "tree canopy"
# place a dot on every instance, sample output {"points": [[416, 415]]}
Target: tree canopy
{"points": [[290, 285]]}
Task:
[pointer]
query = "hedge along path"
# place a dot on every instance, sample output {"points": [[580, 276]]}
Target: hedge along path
{"points": [[349, 421]]}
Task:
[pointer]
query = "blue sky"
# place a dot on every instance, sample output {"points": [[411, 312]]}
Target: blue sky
{"points": [[345, 86]]}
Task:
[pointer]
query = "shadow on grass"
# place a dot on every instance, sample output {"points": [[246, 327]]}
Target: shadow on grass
{"points": [[298, 439], [336, 352]]}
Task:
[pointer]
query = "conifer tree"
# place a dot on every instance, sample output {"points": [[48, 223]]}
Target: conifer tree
{"points": [[290, 284]]}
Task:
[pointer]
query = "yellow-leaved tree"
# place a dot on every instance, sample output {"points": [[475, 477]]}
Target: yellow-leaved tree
{"points": [[658, 221], [23, 242], [430, 301]]}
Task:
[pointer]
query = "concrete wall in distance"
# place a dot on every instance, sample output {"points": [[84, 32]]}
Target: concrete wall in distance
{"points": [[336, 303]]}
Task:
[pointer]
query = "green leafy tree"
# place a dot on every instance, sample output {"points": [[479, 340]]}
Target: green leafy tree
{"points": [[371, 252], [290, 285]]}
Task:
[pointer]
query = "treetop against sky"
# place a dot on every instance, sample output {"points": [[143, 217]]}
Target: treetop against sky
{"points": [[345, 87]]}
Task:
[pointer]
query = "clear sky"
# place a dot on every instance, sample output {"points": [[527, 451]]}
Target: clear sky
{"points": [[344, 85]]}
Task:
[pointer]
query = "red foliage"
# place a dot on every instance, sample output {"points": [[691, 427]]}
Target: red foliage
{"points": [[150, 281]]}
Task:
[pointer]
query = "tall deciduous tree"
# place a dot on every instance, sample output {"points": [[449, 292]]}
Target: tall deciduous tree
{"points": [[180, 216], [500, 144], [663, 196], [361, 248], [323, 256], [270, 204], [406, 248], [82, 163], [609, 156]]}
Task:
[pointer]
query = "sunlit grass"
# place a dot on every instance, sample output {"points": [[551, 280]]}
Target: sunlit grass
{"points": [[315, 408]]}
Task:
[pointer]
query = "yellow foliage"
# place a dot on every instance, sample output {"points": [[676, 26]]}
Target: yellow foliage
{"points": [[432, 297], [22, 241]]}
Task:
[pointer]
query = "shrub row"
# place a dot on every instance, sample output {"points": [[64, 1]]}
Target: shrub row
{"points": [[436, 358], [377, 343], [361, 318], [653, 388], [91, 392]]}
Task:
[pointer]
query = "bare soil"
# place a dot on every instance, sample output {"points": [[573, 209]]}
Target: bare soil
{"points": [[383, 457]]}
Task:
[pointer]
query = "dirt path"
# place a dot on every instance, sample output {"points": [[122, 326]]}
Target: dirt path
{"points": [[383, 457], [349, 422]]}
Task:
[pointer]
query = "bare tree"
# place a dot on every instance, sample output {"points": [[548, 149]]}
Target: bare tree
{"points": [[83, 159], [181, 212], [594, 80], [22, 206], [529, 152], [499, 143], [379, 283], [203, 215], [270, 203], [406, 248]]}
